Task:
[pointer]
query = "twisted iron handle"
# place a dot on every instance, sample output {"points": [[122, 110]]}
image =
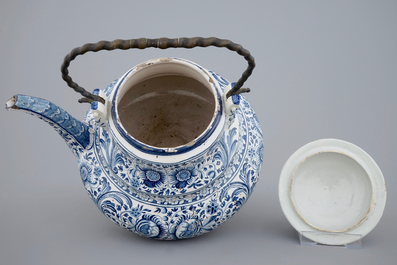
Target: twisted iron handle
{"points": [[162, 43]]}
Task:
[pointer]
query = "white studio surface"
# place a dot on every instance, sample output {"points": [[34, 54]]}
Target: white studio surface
{"points": [[330, 190]]}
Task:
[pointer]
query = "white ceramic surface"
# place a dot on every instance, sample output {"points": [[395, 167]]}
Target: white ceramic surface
{"points": [[332, 192]]}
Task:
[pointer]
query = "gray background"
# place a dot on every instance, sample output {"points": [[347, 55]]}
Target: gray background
{"points": [[325, 69]]}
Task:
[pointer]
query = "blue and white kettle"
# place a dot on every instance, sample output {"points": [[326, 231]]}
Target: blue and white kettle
{"points": [[169, 150]]}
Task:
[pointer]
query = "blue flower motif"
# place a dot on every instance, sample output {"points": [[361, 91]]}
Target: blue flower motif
{"points": [[150, 226], [151, 178], [186, 226], [212, 208], [147, 228], [251, 153], [135, 212], [86, 174], [183, 177], [97, 171], [134, 183], [85, 171]]}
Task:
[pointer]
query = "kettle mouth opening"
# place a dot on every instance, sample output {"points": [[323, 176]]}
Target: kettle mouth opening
{"points": [[166, 105]]}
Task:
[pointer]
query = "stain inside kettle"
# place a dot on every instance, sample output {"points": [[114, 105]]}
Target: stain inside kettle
{"points": [[167, 111]]}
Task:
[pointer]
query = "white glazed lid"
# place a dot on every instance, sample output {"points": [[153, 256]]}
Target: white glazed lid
{"points": [[332, 191]]}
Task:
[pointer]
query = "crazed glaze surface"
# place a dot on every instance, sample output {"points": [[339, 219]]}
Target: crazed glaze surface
{"points": [[164, 199]]}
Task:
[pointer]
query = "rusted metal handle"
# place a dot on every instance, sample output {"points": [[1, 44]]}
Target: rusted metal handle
{"points": [[162, 43]]}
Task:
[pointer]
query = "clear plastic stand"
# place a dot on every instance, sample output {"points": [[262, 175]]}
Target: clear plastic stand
{"points": [[356, 240]]}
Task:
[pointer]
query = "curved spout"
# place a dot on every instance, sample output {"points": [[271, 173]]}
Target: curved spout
{"points": [[74, 132]]}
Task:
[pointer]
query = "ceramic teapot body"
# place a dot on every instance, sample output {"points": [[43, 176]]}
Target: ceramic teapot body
{"points": [[189, 167]]}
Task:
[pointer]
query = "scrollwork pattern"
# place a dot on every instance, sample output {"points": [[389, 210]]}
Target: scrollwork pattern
{"points": [[161, 200], [175, 201], [167, 215]]}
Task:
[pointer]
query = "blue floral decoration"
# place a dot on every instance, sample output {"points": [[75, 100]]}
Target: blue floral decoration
{"points": [[150, 226], [212, 208], [182, 178], [97, 171], [85, 171], [86, 174], [135, 212], [151, 178], [162, 200], [134, 183], [187, 226]]}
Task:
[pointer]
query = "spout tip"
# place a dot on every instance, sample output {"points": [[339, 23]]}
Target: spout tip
{"points": [[10, 104]]}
